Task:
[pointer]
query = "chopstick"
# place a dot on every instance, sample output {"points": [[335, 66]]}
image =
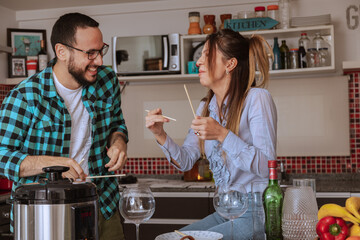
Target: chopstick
{"points": [[188, 96], [164, 116], [182, 234], [82, 160], [107, 176], [192, 108]]}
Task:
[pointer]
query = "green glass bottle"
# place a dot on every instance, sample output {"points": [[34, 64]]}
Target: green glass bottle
{"points": [[284, 55], [273, 200]]}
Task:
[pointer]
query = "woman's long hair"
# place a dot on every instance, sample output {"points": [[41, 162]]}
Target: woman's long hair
{"points": [[250, 53]]}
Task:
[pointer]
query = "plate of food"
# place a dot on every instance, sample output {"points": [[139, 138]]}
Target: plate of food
{"points": [[197, 235]]}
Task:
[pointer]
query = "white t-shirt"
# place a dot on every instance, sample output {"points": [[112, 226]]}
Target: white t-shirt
{"points": [[80, 140]]}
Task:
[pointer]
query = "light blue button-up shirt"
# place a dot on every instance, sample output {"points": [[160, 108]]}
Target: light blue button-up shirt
{"points": [[247, 152]]}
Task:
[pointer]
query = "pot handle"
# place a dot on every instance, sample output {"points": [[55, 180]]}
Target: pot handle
{"points": [[55, 172]]}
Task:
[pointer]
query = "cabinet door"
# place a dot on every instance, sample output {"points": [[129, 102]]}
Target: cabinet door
{"points": [[171, 214]]}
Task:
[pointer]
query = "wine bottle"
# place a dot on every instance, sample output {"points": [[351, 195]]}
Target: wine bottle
{"points": [[43, 57], [284, 54], [273, 199], [277, 57]]}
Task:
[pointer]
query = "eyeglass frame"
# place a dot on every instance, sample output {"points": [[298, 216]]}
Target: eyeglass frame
{"points": [[105, 46]]}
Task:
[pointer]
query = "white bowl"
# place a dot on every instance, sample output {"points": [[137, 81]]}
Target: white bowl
{"points": [[198, 235]]}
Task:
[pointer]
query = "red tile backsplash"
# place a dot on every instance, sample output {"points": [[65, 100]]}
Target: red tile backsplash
{"points": [[310, 164]]}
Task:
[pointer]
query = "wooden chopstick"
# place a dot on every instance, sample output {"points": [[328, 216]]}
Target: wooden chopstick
{"points": [[188, 96], [164, 116]]}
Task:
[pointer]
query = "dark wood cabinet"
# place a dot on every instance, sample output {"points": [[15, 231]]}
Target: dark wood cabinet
{"points": [[172, 213]]}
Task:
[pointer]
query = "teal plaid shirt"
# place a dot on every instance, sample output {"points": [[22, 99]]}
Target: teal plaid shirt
{"points": [[34, 121]]}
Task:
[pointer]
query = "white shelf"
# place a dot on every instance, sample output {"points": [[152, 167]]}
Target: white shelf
{"points": [[171, 78], [6, 49], [13, 81], [291, 35]]}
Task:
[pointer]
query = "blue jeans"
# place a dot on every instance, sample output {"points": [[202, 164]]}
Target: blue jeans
{"points": [[243, 226]]}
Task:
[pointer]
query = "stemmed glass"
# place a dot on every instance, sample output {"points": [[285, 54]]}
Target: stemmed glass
{"points": [[137, 205], [231, 202]]}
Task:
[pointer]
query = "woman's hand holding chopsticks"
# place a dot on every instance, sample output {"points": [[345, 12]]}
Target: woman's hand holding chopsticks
{"points": [[154, 121], [209, 129]]}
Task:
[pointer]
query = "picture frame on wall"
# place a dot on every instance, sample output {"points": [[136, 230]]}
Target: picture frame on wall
{"points": [[17, 66], [25, 42]]}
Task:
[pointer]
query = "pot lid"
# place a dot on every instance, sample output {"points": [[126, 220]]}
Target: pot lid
{"points": [[55, 190]]}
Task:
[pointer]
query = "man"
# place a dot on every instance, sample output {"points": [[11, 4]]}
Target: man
{"points": [[69, 114]]}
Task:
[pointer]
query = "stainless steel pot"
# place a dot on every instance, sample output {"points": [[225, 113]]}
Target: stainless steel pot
{"points": [[56, 209]]}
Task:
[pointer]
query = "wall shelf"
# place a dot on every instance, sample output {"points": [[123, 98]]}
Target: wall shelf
{"points": [[5, 49]]}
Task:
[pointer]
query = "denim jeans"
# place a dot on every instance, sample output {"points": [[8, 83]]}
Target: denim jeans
{"points": [[243, 226]]}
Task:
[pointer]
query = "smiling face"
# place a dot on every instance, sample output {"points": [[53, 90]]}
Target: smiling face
{"points": [[214, 76], [83, 70]]}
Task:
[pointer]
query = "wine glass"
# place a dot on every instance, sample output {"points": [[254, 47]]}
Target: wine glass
{"points": [[137, 205], [231, 202]]}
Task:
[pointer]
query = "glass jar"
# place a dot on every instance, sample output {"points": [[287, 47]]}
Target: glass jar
{"points": [[260, 11], [294, 58], [312, 58], [284, 14], [273, 12], [324, 58]]}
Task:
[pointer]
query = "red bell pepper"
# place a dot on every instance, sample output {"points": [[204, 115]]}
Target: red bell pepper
{"points": [[332, 228]]}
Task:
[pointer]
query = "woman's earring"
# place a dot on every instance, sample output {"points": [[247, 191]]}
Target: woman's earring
{"points": [[227, 71]]}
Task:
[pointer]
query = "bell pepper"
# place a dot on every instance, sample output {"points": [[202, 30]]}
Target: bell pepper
{"points": [[332, 228]]}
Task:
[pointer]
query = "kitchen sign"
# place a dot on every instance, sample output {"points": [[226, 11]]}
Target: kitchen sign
{"points": [[250, 24]]}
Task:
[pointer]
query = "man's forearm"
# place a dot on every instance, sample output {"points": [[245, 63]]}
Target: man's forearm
{"points": [[32, 165], [117, 136]]}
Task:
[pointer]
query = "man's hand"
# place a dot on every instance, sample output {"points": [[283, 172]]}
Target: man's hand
{"points": [[117, 152], [33, 165]]}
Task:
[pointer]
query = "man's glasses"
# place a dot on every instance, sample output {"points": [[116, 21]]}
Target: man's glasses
{"points": [[92, 54]]}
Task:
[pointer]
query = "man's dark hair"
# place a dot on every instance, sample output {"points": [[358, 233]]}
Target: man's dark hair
{"points": [[65, 28]]}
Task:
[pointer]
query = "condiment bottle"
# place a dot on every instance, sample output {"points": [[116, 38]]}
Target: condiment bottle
{"points": [[223, 17], [284, 54], [273, 200], [277, 56], [324, 57], [209, 26], [318, 41], [304, 41], [194, 19], [294, 58]]}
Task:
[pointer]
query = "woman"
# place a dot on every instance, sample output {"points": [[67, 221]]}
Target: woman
{"points": [[237, 127]]}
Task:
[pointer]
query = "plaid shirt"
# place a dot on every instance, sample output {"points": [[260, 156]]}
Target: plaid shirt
{"points": [[34, 121]]}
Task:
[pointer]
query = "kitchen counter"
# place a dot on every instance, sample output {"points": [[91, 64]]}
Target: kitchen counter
{"points": [[349, 183]]}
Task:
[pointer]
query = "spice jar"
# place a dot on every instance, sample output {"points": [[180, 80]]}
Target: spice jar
{"points": [[260, 11], [194, 19], [294, 58], [223, 17], [273, 12]]}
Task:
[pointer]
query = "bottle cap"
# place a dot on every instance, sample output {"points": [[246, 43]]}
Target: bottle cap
{"points": [[272, 164], [294, 50], [304, 34], [272, 7], [259, 8], [194, 14]]}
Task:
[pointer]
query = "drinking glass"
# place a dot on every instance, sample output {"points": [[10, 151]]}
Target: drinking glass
{"points": [[305, 182], [299, 214], [258, 213], [137, 205], [231, 202]]}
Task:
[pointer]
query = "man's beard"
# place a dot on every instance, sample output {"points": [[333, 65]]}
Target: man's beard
{"points": [[78, 74]]}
